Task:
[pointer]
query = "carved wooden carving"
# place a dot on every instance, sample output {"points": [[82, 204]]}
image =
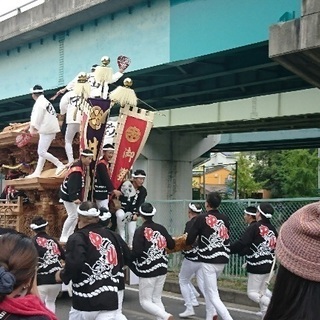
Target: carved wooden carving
{"points": [[42, 192]]}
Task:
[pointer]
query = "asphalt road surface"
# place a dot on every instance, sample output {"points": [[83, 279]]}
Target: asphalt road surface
{"points": [[173, 304]]}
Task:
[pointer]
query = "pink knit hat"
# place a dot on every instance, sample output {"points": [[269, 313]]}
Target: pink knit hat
{"points": [[298, 244]]}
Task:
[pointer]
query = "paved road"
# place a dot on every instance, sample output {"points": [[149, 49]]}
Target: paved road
{"points": [[172, 302]]}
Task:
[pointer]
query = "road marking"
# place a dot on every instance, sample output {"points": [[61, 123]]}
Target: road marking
{"points": [[173, 296]]}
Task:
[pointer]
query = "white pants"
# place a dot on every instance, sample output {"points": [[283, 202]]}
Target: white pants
{"points": [[103, 203], [257, 290], [194, 293], [71, 131], [48, 294], [150, 291], [92, 315], [71, 221], [188, 270], [121, 225], [43, 146], [120, 315], [211, 273]]}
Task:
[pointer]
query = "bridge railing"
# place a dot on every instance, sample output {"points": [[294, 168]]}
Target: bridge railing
{"points": [[18, 9], [173, 215]]}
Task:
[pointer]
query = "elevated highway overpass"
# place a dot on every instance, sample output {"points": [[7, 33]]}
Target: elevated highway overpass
{"points": [[174, 65]]}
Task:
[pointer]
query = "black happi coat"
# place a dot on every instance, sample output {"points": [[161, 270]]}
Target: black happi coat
{"points": [[103, 185], [50, 254], [132, 204], [258, 244], [212, 228], [149, 250], [93, 263], [192, 253], [72, 187]]}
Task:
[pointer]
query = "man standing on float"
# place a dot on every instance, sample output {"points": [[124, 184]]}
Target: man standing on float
{"points": [[103, 186], [72, 191], [44, 121]]}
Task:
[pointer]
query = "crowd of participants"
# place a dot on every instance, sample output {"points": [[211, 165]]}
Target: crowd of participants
{"points": [[95, 257], [94, 247]]}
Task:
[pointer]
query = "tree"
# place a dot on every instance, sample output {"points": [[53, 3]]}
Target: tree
{"points": [[288, 173], [266, 170], [245, 178]]}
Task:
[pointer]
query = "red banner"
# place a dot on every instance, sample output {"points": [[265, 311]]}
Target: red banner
{"points": [[131, 136]]}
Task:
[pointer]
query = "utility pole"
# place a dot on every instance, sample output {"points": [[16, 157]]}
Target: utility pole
{"points": [[236, 180]]}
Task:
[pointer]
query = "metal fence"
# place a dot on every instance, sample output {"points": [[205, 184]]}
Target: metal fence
{"points": [[173, 215]]}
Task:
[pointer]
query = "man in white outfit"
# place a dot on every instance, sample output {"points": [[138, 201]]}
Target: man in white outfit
{"points": [[44, 121], [70, 85], [101, 89], [68, 106]]}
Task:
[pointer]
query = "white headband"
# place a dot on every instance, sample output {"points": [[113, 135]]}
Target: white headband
{"points": [[193, 208], [250, 213], [93, 212], [105, 216], [267, 215], [148, 213], [36, 90], [138, 175], [86, 154], [34, 226], [108, 149]]}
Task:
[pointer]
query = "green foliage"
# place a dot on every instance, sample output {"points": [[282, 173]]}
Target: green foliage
{"points": [[288, 173], [244, 176]]}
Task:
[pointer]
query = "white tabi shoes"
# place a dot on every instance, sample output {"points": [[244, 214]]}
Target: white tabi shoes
{"points": [[59, 170], [189, 312]]}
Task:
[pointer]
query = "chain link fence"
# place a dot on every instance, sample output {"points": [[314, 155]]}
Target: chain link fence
{"points": [[174, 214]]}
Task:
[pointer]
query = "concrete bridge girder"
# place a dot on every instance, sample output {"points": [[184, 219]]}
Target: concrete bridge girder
{"points": [[56, 16], [264, 112], [266, 140]]}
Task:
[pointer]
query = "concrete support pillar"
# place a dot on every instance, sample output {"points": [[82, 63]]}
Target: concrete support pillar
{"points": [[168, 159], [309, 7]]}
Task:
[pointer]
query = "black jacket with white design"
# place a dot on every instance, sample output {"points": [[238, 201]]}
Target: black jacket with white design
{"points": [[72, 187], [132, 204], [258, 244], [212, 228], [50, 254], [149, 250], [191, 254], [94, 264], [103, 185]]}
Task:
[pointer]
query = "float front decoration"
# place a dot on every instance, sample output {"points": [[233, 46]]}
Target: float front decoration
{"points": [[133, 129]]}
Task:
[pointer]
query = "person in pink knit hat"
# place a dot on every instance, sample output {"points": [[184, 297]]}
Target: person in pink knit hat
{"points": [[296, 294]]}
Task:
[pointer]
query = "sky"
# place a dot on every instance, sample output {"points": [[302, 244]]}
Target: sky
{"points": [[8, 5]]}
